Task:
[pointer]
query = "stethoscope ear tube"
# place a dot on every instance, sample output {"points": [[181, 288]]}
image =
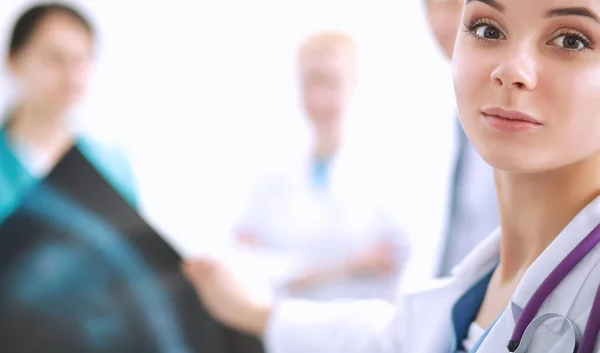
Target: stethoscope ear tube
{"points": [[574, 337], [527, 320]]}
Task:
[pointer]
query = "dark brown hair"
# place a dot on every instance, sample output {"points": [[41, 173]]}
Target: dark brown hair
{"points": [[30, 20]]}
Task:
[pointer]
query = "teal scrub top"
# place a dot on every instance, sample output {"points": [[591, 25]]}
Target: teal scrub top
{"points": [[16, 180], [125, 262]]}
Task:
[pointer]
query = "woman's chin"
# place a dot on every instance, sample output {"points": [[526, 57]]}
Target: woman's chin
{"points": [[518, 164]]}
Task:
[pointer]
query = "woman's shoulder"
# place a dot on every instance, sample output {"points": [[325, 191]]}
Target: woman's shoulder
{"points": [[14, 178], [109, 153], [7, 157], [110, 159]]}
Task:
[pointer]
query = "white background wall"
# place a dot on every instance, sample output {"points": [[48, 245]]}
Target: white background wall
{"points": [[202, 91]]}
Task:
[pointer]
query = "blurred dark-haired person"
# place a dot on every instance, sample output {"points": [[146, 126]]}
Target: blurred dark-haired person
{"points": [[50, 57], [473, 205], [79, 287]]}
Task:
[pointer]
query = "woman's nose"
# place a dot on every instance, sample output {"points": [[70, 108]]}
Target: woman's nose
{"points": [[516, 72]]}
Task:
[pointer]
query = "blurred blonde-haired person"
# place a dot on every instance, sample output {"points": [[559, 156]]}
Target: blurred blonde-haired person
{"points": [[324, 212]]}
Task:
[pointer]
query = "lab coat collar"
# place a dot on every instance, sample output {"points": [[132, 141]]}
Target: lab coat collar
{"points": [[482, 259], [564, 243]]}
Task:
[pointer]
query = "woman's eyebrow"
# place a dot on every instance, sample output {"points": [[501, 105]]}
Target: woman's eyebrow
{"points": [[558, 12], [495, 4], [573, 11]]}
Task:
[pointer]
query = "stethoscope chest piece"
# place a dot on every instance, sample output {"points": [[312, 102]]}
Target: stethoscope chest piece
{"points": [[574, 337]]}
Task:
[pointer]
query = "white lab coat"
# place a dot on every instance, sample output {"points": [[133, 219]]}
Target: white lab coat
{"points": [[318, 228], [421, 322]]}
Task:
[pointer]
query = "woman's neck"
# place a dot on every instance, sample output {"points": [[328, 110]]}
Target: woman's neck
{"points": [[326, 146], [40, 128], [535, 208]]}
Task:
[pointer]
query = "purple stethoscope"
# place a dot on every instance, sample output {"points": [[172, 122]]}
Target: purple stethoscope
{"points": [[528, 323]]}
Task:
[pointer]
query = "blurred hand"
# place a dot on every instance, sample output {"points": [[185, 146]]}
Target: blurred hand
{"points": [[379, 259], [225, 298]]}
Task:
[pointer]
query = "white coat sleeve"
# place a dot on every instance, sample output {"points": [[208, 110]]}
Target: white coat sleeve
{"points": [[360, 326]]}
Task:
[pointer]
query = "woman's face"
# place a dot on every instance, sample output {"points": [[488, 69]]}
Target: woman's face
{"points": [[52, 69], [327, 83], [527, 81]]}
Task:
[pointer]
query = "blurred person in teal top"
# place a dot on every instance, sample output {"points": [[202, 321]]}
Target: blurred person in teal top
{"points": [[50, 57]]}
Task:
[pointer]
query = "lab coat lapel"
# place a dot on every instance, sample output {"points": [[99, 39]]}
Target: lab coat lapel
{"points": [[438, 323], [351, 188], [569, 289], [481, 259], [554, 339]]}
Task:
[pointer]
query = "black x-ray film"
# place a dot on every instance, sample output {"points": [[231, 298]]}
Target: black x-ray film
{"points": [[81, 271]]}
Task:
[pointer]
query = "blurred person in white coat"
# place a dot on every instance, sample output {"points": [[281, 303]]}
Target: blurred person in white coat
{"points": [[327, 212], [473, 208], [525, 76]]}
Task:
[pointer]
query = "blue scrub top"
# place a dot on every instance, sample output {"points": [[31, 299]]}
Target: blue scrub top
{"points": [[465, 311], [320, 174], [16, 180]]}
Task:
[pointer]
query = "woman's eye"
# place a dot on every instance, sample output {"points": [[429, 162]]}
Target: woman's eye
{"points": [[488, 32], [570, 42]]}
